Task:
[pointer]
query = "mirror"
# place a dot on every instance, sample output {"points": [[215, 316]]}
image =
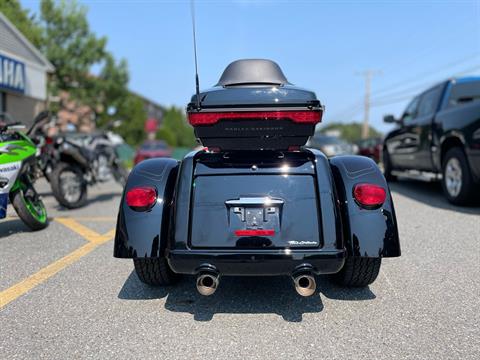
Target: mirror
{"points": [[389, 119]]}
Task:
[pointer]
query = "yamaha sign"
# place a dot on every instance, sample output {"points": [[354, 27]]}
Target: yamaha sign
{"points": [[12, 74]]}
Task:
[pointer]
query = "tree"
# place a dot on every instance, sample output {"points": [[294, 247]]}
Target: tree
{"points": [[23, 20], [175, 130], [72, 48], [351, 132], [131, 112], [63, 34]]}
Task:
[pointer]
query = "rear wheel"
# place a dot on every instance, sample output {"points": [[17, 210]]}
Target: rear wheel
{"points": [[457, 182], [30, 208], [155, 271], [358, 272], [120, 174], [68, 185]]}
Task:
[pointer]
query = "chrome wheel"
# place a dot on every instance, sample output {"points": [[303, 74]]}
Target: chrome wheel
{"points": [[453, 177]]}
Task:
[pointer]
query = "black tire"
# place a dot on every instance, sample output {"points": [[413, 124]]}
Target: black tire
{"points": [[120, 174], [466, 193], [57, 189], [18, 201], [155, 271], [387, 167], [358, 272]]}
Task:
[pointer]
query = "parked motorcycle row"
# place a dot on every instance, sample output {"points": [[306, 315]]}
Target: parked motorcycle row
{"points": [[71, 162]]}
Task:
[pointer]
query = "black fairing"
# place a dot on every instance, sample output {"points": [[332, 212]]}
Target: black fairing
{"points": [[144, 234], [367, 233]]}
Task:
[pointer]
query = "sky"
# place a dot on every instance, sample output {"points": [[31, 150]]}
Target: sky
{"points": [[324, 46]]}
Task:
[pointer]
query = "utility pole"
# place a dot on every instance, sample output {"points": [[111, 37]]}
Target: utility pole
{"points": [[368, 74]]}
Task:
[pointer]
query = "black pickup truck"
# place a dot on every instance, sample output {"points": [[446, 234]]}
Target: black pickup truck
{"points": [[439, 135]]}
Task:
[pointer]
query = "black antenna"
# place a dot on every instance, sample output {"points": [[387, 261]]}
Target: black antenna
{"points": [[197, 82]]}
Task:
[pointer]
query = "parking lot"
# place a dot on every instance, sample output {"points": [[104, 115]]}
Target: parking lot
{"points": [[63, 295]]}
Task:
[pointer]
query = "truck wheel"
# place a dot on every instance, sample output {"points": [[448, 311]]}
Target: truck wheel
{"points": [[387, 167], [358, 272], [457, 182], [155, 271]]}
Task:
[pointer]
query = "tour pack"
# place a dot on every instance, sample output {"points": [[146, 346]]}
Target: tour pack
{"points": [[254, 107]]}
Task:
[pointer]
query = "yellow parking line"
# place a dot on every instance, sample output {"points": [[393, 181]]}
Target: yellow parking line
{"points": [[47, 272], [94, 240], [85, 232], [96, 218]]}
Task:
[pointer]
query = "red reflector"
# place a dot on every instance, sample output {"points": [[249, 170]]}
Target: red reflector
{"points": [[141, 197], [208, 118], [254, 232], [369, 195]]}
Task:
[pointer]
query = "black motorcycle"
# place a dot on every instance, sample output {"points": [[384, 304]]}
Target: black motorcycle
{"points": [[72, 162]]}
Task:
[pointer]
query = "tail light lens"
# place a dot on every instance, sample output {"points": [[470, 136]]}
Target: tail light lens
{"points": [[141, 198], [369, 196], [209, 118], [258, 232]]}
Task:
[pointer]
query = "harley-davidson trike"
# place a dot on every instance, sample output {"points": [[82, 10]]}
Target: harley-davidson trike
{"points": [[254, 202]]}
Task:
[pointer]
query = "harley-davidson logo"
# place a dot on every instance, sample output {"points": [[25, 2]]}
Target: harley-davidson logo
{"points": [[273, 128]]}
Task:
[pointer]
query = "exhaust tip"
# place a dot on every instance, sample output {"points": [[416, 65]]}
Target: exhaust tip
{"points": [[207, 284], [305, 285]]}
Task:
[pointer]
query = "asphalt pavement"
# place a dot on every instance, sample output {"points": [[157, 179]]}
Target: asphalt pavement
{"points": [[64, 296]]}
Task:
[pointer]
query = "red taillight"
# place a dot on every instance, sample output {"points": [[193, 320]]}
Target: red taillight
{"points": [[48, 140], [254, 232], [141, 198], [369, 195], [301, 116]]}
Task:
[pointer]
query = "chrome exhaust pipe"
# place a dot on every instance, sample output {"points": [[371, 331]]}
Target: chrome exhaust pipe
{"points": [[207, 283], [305, 284]]}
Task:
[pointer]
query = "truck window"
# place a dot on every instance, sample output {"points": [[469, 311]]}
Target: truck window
{"points": [[411, 110], [464, 93], [429, 101]]}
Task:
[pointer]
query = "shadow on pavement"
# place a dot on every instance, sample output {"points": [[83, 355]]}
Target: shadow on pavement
{"points": [[242, 295], [430, 193], [92, 200], [11, 226]]}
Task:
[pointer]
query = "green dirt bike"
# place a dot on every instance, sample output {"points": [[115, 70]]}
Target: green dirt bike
{"points": [[17, 174]]}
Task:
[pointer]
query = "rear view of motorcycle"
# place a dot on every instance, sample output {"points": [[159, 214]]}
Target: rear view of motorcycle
{"points": [[18, 171]]}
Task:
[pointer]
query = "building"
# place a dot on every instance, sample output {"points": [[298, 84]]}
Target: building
{"points": [[23, 75]]}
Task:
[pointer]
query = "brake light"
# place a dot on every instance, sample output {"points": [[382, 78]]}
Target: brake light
{"points": [[141, 198], [254, 232], [369, 196], [302, 116]]}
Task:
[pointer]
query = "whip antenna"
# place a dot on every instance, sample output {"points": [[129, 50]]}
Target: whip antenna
{"points": [[197, 82]]}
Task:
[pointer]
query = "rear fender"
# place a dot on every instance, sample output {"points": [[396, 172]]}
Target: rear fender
{"points": [[367, 233], [144, 234]]}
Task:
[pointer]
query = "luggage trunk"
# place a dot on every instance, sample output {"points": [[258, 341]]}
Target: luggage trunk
{"points": [[253, 107]]}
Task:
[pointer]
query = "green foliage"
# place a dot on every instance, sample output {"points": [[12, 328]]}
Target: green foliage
{"points": [[175, 130], [63, 35], [72, 48], [131, 112], [23, 20], [351, 132]]}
